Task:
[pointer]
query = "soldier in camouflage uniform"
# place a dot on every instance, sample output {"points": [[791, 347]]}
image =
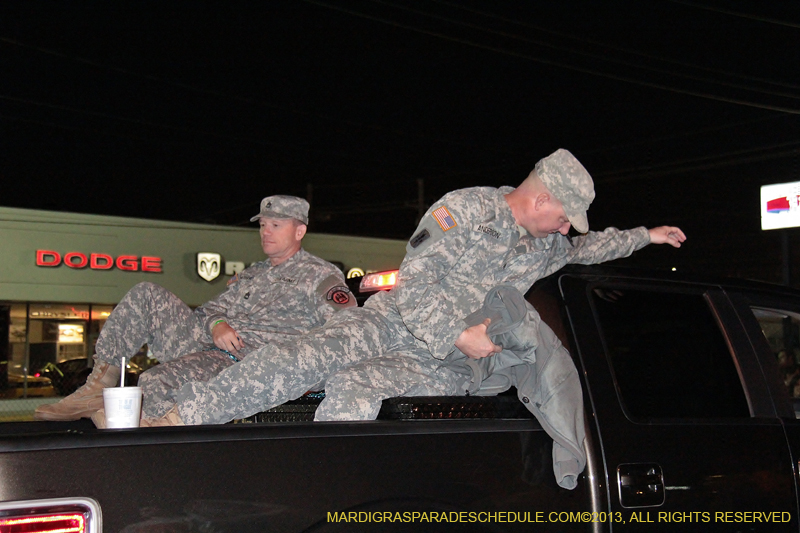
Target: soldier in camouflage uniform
{"points": [[468, 242], [285, 296]]}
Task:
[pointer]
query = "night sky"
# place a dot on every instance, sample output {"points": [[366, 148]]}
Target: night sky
{"points": [[194, 111]]}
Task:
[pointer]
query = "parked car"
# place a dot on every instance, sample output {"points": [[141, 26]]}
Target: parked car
{"points": [[21, 386], [68, 375]]}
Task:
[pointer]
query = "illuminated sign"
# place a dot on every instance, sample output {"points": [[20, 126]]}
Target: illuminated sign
{"points": [[97, 261], [70, 333], [209, 266], [780, 205], [354, 273]]}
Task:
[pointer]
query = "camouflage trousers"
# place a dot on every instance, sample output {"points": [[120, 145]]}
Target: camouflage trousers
{"points": [[161, 383], [357, 392], [150, 314], [282, 371]]}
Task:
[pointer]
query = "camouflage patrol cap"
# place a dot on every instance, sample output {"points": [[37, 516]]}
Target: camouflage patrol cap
{"points": [[565, 177], [283, 206]]}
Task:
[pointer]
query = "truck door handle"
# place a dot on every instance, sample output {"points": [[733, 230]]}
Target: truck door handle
{"points": [[640, 484]]}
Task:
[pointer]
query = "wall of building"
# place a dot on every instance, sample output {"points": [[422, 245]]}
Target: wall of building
{"points": [[170, 249]]}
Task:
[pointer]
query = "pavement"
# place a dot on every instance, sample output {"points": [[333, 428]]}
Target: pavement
{"points": [[21, 409]]}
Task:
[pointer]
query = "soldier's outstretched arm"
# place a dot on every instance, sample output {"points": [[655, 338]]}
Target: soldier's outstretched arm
{"points": [[611, 243], [596, 247]]}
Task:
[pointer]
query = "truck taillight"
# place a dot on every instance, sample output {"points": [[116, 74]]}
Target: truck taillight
{"points": [[55, 515], [378, 281], [56, 523]]}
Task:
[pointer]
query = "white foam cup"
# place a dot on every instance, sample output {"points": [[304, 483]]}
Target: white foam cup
{"points": [[123, 406]]}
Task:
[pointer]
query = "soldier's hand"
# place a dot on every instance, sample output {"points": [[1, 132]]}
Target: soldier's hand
{"points": [[667, 235], [225, 337], [475, 343]]}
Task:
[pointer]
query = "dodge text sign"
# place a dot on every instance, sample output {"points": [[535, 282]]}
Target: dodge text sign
{"points": [[97, 261]]}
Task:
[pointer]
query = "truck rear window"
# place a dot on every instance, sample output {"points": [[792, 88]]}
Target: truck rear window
{"points": [[668, 355]]}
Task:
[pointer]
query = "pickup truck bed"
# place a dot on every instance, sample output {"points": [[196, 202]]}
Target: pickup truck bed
{"points": [[690, 427]]}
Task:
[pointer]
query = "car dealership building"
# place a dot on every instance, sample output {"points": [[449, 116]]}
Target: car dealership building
{"points": [[62, 273]]}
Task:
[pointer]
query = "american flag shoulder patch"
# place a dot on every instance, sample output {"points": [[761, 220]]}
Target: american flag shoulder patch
{"points": [[444, 218]]}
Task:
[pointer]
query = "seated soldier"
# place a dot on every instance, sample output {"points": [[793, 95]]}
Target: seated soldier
{"points": [[287, 295]]}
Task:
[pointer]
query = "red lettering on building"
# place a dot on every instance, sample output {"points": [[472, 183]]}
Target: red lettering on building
{"points": [[127, 262], [47, 258], [98, 261], [101, 262], [83, 314], [151, 264], [82, 260]]}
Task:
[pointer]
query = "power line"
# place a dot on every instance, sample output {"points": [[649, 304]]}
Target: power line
{"points": [[139, 122], [259, 142], [700, 131], [672, 167], [702, 163], [557, 64], [589, 54], [104, 132], [382, 167], [737, 14], [241, 99], [595, 42]]}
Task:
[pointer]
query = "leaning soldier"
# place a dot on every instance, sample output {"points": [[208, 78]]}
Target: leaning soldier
{"points": [[469, 242], [286, 295]]}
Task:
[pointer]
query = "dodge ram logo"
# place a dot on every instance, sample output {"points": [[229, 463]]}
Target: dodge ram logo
{"points": [[208, 265]]}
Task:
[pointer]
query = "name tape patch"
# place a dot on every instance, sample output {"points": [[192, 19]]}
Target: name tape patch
{"points": [[491, 232]]}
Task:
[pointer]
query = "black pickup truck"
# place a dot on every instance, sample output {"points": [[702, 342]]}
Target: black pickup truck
{"points": [[688, 390]]}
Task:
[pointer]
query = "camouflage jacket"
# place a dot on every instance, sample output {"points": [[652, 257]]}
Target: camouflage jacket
{"points": [[291, 298], [466, 244]]}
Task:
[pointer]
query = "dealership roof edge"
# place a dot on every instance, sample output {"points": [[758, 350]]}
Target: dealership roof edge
{"points": [[16, 214]]}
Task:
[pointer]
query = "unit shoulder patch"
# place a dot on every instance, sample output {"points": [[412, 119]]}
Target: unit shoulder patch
{"points": [[419, 238], [339, 295]]}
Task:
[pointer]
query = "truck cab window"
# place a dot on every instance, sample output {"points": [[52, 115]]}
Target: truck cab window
{"points": [[668, 355], [782, 332]]}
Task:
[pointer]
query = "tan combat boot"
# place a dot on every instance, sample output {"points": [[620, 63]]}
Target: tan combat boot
{"points": [[84, 401], [99, 419]]}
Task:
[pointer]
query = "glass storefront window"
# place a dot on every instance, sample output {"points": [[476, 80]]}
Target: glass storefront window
{"points": [[46, 353], [13, 334], [56, 333], [45, 350]]}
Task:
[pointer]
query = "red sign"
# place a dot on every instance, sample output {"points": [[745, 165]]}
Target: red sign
{"points": [[49, 258]]}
